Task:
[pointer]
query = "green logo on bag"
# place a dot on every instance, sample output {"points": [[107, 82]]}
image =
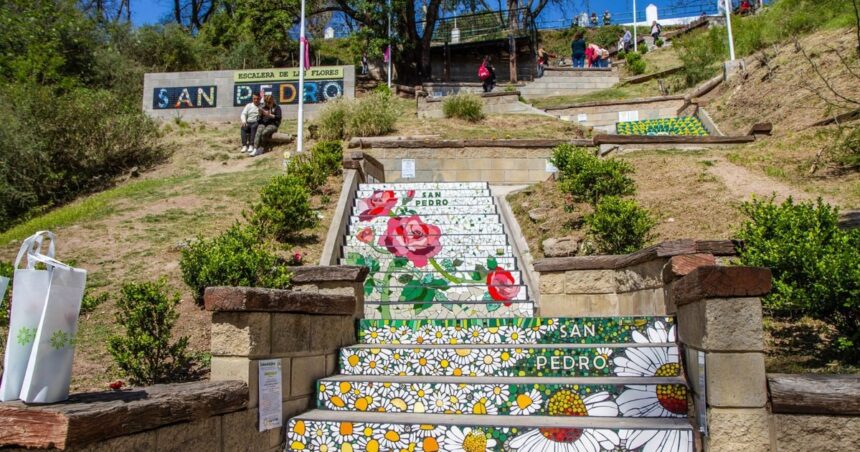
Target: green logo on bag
{"points": [[26, 335], [60, 339]]}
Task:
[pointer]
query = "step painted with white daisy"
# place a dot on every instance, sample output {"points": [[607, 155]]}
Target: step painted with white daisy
{"points": [[410, 209], [427, 186], [658, 397], [550, 360], [366, 240], [419, 291], [381, 227], [523, 330], [447, 310], [423, 194], [327, 430]]}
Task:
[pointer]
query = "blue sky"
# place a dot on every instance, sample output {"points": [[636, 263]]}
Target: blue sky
{"points": [[153, 11]]}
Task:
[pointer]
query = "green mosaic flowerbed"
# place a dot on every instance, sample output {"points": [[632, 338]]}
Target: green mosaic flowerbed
{"points": [[683, 126]]}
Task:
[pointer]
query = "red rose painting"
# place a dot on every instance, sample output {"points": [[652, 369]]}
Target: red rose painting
{"points": [[412, 238], [378, 204], [501, 285]]}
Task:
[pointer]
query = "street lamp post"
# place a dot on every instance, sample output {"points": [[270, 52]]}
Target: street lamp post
{"points": [[302, 56], [729, 28], [390, 51], [635, 23]]}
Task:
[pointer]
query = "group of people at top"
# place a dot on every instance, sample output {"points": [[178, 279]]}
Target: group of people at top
{"points": [[587, 55], [584, 21], [259, 122]]}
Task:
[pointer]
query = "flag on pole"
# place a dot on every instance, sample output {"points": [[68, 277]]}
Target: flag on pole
{"points": [[307, 63], [387, 55]]}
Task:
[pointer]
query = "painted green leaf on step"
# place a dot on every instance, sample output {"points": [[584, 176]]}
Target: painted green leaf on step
{"points": [[373, 263], [399, 262], [369, 284], [26, 335], [492, 263], [457, 262], [404, 279], [415, 291], [354, 258], [448, 265], [480, 273]]}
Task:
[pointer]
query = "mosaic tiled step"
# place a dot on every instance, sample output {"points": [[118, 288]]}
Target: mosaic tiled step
{"points": [[446, 240], [380, 228], [329, 430], [438, 210], [437, 202], [509, 396], [534, 330], [468, 263], [418, 194], [419, 291], [376, 310], [591, 360], [450, 219], [452, 252], [427, 186]]}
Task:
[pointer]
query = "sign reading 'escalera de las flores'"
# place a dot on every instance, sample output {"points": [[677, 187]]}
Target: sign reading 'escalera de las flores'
{"points": [[269, 75]]}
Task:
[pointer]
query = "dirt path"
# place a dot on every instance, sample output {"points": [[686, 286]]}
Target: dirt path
{"points": [[743, 183]]}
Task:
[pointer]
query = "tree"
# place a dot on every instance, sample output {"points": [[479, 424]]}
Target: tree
{"points": [[192, 14]]}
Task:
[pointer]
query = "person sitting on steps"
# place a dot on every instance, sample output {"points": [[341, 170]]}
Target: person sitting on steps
{"points": [[577, 48], [250, 120], [270, 120]]}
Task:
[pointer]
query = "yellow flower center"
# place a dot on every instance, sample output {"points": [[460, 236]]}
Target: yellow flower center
{"points": [[475, 442]]}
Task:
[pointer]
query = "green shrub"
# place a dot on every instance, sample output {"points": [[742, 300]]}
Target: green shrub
{"points": [[619, 226], [846, 148], [463, 106], [331, 121], [589, 178], [147, 314], [305, 168], [658, 42], [235, 258], [369, 116], [284, 208], [635, 64], [329, 155], [643, 49], [815, 265], [701, 54]]}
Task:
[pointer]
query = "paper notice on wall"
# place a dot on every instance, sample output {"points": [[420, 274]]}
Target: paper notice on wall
{"points": [[582, 117], [407, 169], [270, 394], [627, 116], [550, 168]]}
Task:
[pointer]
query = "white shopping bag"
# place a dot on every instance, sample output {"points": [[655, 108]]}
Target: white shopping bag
{"points": [[4, 283], [49, 370], [29, 293]]}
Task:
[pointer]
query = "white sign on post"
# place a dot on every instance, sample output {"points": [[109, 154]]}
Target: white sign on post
{"points": [[270, 394], [407, 169], [628, 116], [582, 117], [550, 168]]}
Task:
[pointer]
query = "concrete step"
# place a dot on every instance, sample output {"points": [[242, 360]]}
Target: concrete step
{"points": [[429, 210], [441, 201], [441, 310], [418, 291], [469, 263], [462, 229], [427, 186], [582, 330], [660, 397], [421, 194], [546, 360], [434, 219], [350, 431], [452, 252], [430, 273], [446, 240]]}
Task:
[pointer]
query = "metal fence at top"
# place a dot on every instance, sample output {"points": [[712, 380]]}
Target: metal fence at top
{"points": [[484, 26]]}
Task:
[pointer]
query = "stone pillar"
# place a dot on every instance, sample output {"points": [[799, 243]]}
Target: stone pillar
{"points": [[719, 320], [304, 328]]}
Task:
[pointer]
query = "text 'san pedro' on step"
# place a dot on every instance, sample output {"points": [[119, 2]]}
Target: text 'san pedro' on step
{"points": [[270, 394]]}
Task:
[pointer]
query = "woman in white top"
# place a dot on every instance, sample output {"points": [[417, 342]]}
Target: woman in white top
{"points": [[250, 118]]}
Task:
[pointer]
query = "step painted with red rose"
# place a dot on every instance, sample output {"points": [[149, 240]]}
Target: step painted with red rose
{"points": [[369, 239], [468, 264], [331, 430], [362, 212], [420, 251], [660, 397], [527, 330], [414, 290], [432, 200], [446, 310], [436, 220], [422, 194], [380, 227], [549, 360]]}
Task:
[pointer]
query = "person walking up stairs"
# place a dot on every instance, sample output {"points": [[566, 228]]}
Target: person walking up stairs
{"points": [[450, 358]]}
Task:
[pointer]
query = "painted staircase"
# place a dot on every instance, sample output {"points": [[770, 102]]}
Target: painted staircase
{"points": [[450, 358]]}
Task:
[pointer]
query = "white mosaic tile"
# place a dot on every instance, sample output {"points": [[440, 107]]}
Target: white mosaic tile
{"points": [[446, 240], [425, 186], [457, 293], [452, 252], [433, 210], [468, 263], [379, 227], [465, 219], [449, 310], [467, 193]]}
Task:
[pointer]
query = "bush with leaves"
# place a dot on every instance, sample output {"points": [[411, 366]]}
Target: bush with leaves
{"points": [[235, 258], [145, 353], [371, 116], [815, 265], [845, 150], [329, 156], [331, 120], [619, 226], [465, 106], [635, 64], [284, 208], [589, 178]]}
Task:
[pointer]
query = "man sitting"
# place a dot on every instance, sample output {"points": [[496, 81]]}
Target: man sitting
{"points": [[270, 120], [250, 117]]}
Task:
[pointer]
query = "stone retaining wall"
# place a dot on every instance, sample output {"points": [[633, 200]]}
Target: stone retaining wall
{"points": [[494, 103], [605, 114], [570, 82]]}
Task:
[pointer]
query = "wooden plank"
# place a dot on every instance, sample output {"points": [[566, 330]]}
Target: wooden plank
{"points": [[815, 394], [660, 250], [329, 273], [560, 264], [680, 266], [849, 219], [847, 116], [761, 128], [718, 247], [669, 139], [90, 417], [722, 282], [644, 78], [255, 299]]}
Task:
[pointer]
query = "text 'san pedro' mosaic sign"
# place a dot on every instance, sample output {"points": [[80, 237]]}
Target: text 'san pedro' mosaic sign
{"points": [[184, 97], [321, 84]]}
